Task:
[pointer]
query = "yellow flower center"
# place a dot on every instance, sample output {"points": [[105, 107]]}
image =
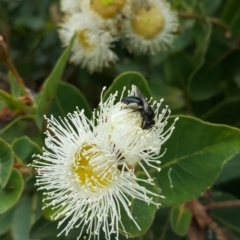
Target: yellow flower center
{"points": [[107, 8], [148, 22], [106, 2], [92, 177], [84, 41]]}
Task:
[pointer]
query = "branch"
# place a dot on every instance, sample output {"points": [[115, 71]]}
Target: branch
{"points": [[234, 203], [203, 219]]}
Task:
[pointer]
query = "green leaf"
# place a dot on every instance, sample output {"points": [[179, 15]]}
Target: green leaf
{"points": [[50, 86], [48, 230], [30, 21], [230, 170], [6, 162], [15, 89], [195, 154], [62, 105], [209, 80], [206, 84], [6, 221], [202, 35], [128, 79], [185, 38], [161, 227], [22, 126], [24, 217], [11, 193], [180, 218], [7, 236], [50, 211], [43, 228], [230, 11], [173, 97], [2, 105], [228, 217], [128, 65], [182, 65], [14, 104], [24, 148], [211, 6], [221, 112], [235, 24], [187, 5], [143, 213]]}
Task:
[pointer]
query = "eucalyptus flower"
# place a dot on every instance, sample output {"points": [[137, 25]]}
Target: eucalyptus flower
{"points": [[150, 28], [71, 6], [91, 48], [107, 9], [87, 170]]}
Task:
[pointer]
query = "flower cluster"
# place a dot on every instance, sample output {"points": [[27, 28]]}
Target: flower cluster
{"points": [[87, 172], [144, 26]]}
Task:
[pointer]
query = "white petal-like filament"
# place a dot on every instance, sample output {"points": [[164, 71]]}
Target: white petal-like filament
{"points": [[87, 170]]}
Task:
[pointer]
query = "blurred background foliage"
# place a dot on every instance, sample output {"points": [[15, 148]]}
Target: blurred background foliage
{"points": [[199, 76]]}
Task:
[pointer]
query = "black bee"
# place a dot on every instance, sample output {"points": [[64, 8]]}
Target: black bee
{"points": [[144, 108]]}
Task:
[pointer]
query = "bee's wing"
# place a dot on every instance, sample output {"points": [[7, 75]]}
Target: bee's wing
{"points": [[144, 101]]}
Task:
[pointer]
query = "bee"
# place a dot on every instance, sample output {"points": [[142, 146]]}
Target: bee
{"points": [[144, 109]]}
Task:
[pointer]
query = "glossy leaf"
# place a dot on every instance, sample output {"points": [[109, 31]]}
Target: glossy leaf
{"points": [[128, 79], [195, 154], [61, 105], [11, 193], [230, 170], [24, 148], [19, 127], [50, 86], [6, 162], [180, 218], [143, 213]]}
